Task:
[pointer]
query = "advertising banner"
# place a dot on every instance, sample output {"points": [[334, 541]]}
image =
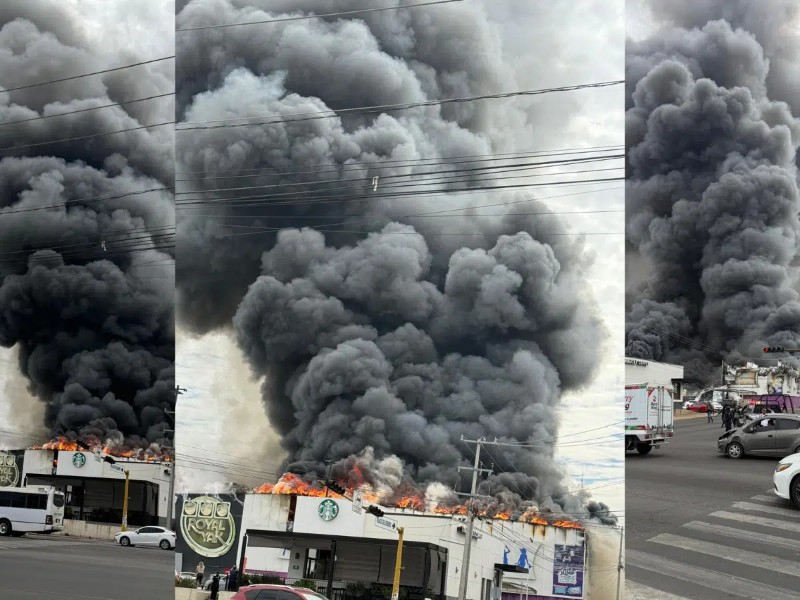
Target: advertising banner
{"points": [[568, 571], [208, 530], [9, 470]]}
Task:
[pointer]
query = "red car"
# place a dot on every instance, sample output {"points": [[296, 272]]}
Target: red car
{"points": [[263, 591]]}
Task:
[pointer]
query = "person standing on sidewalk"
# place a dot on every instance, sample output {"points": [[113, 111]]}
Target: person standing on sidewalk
{"points": [[710, 412], [199, 572]]}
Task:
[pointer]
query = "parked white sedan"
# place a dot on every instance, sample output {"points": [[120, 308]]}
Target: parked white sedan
{"points": [[147, 536], [787, 479]]}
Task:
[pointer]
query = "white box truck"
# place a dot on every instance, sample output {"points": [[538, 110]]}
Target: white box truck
{"points": [[648, 416]]}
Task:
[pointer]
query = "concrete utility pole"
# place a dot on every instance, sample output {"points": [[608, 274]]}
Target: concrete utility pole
{"points": [[398, 565], [462, 588], [619, 565], [125, 502], [171, 490]]}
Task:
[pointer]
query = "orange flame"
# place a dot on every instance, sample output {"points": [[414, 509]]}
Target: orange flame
{"points": [[291, 484], [139, 454]]}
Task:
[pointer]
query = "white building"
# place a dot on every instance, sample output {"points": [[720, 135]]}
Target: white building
{"points": [[328, 540], [638, 371], [94, 488]]}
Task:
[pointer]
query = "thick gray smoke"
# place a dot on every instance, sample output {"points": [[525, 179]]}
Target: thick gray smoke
{"points": [[712, 194], [86, 267], [376, 332]]}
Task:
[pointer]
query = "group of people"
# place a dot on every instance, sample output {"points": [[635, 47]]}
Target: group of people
{"points": [[231, 584], [729, 414]]}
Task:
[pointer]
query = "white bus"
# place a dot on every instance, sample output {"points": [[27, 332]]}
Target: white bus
{"points": [[30, 509]]}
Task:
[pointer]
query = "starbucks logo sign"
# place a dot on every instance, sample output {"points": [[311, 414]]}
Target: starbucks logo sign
{"points": [[207, 526], [78, 460], [328, 510], [9, 473]]}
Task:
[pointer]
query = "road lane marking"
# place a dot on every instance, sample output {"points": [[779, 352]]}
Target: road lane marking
{"points": [[720, 582], [638, 591], [753, 520], [778, 512], [745, 557], [744, 534], [774, 500]]}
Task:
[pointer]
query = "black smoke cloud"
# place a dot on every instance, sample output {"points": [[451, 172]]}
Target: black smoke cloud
{"points": [[386, 337], [712, 194], [86, 265]]}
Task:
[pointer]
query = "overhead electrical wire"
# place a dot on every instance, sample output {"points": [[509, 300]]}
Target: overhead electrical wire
{"points": [[82, 110], [138, 64], [335, 113], [320, 16]]}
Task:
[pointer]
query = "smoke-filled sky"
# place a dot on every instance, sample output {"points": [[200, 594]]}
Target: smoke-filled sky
{"points": [[713, 98], [368, 326], [86, 267]]}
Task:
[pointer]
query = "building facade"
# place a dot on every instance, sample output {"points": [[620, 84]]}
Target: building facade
{"points": [[350, 554], [94, 488], [638, 370]]}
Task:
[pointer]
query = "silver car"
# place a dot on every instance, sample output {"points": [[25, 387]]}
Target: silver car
{"points": [[775, 435]]}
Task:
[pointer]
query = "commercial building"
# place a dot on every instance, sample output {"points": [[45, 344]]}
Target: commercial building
{"points": [[350, 554], [94, 488], [638, 370]]}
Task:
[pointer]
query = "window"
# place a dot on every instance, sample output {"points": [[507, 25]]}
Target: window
{"points": [[37, 501], [787, 424], [149, 530], [58, 500], [5, 498]]}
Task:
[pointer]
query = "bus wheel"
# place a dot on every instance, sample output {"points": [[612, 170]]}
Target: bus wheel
{"points": [[5, 527]]}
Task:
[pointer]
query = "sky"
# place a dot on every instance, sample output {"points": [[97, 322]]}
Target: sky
{"points": [[553, 45]]}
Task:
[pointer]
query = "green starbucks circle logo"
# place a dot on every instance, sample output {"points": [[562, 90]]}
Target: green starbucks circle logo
{"points": [[328, 509], [78, 460]]}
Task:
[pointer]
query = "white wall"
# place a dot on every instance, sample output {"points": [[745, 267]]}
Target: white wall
{"points": [[645, 371]]}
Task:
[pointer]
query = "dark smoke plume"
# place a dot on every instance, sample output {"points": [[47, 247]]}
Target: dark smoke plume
{"points": [[712, 192], [382, 338], [86, 265]]}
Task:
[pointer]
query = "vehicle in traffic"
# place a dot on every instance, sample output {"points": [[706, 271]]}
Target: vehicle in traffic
{"points": [[147, 536], [264, 591], [786, 479], [648, 416], [30, 509], [774, 435], [701, 407]]}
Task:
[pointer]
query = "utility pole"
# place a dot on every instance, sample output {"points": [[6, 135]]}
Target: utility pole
{"points": [[619, 565], [398, 565], [125, 502], [171, 490], [462, 588]]}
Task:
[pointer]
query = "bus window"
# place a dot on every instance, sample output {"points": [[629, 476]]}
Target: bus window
{"points": [[58, 500]]}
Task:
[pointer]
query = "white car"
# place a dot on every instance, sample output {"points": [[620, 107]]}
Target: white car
{"points": [[147, 536], [787, 479]]}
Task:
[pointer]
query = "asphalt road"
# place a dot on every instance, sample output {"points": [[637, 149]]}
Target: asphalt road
{"points": [[57, 567], [701, 526]]}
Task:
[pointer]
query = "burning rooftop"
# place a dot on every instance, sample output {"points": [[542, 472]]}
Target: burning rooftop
{"points": [[291, 484], [152, 453]]}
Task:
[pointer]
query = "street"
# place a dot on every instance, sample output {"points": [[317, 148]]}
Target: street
{"points": [[43, 568], [701, 526]]}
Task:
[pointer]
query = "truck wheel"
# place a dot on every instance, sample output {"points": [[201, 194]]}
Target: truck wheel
{"points": [[5, 527], [794, 491], [734, 450], [644, 449]]}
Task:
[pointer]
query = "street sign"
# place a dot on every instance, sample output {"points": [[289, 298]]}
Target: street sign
{"points": [[358, 502], [116, 468], [384, 523]]}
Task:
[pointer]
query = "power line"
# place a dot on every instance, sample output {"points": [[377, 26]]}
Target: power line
{"points": [[79, 201], [310, 116], [32, 85], [85, 137], [72, 112], [322, 16]]}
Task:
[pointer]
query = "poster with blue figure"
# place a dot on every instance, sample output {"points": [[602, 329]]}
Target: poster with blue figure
{"points": [[568, 571]]}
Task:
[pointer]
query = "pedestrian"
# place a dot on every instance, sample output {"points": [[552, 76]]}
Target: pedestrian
{"points": [[727, 418], [214, 587], [233, 580], [710, 412], [199, 572], [725, 411]]}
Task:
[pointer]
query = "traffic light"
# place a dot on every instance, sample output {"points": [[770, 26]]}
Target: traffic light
{"points": [[374, 510], [774, 349], [335, 487]]}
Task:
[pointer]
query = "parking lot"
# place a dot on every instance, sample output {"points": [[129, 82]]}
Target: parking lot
{"points": [[58, 567]]}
